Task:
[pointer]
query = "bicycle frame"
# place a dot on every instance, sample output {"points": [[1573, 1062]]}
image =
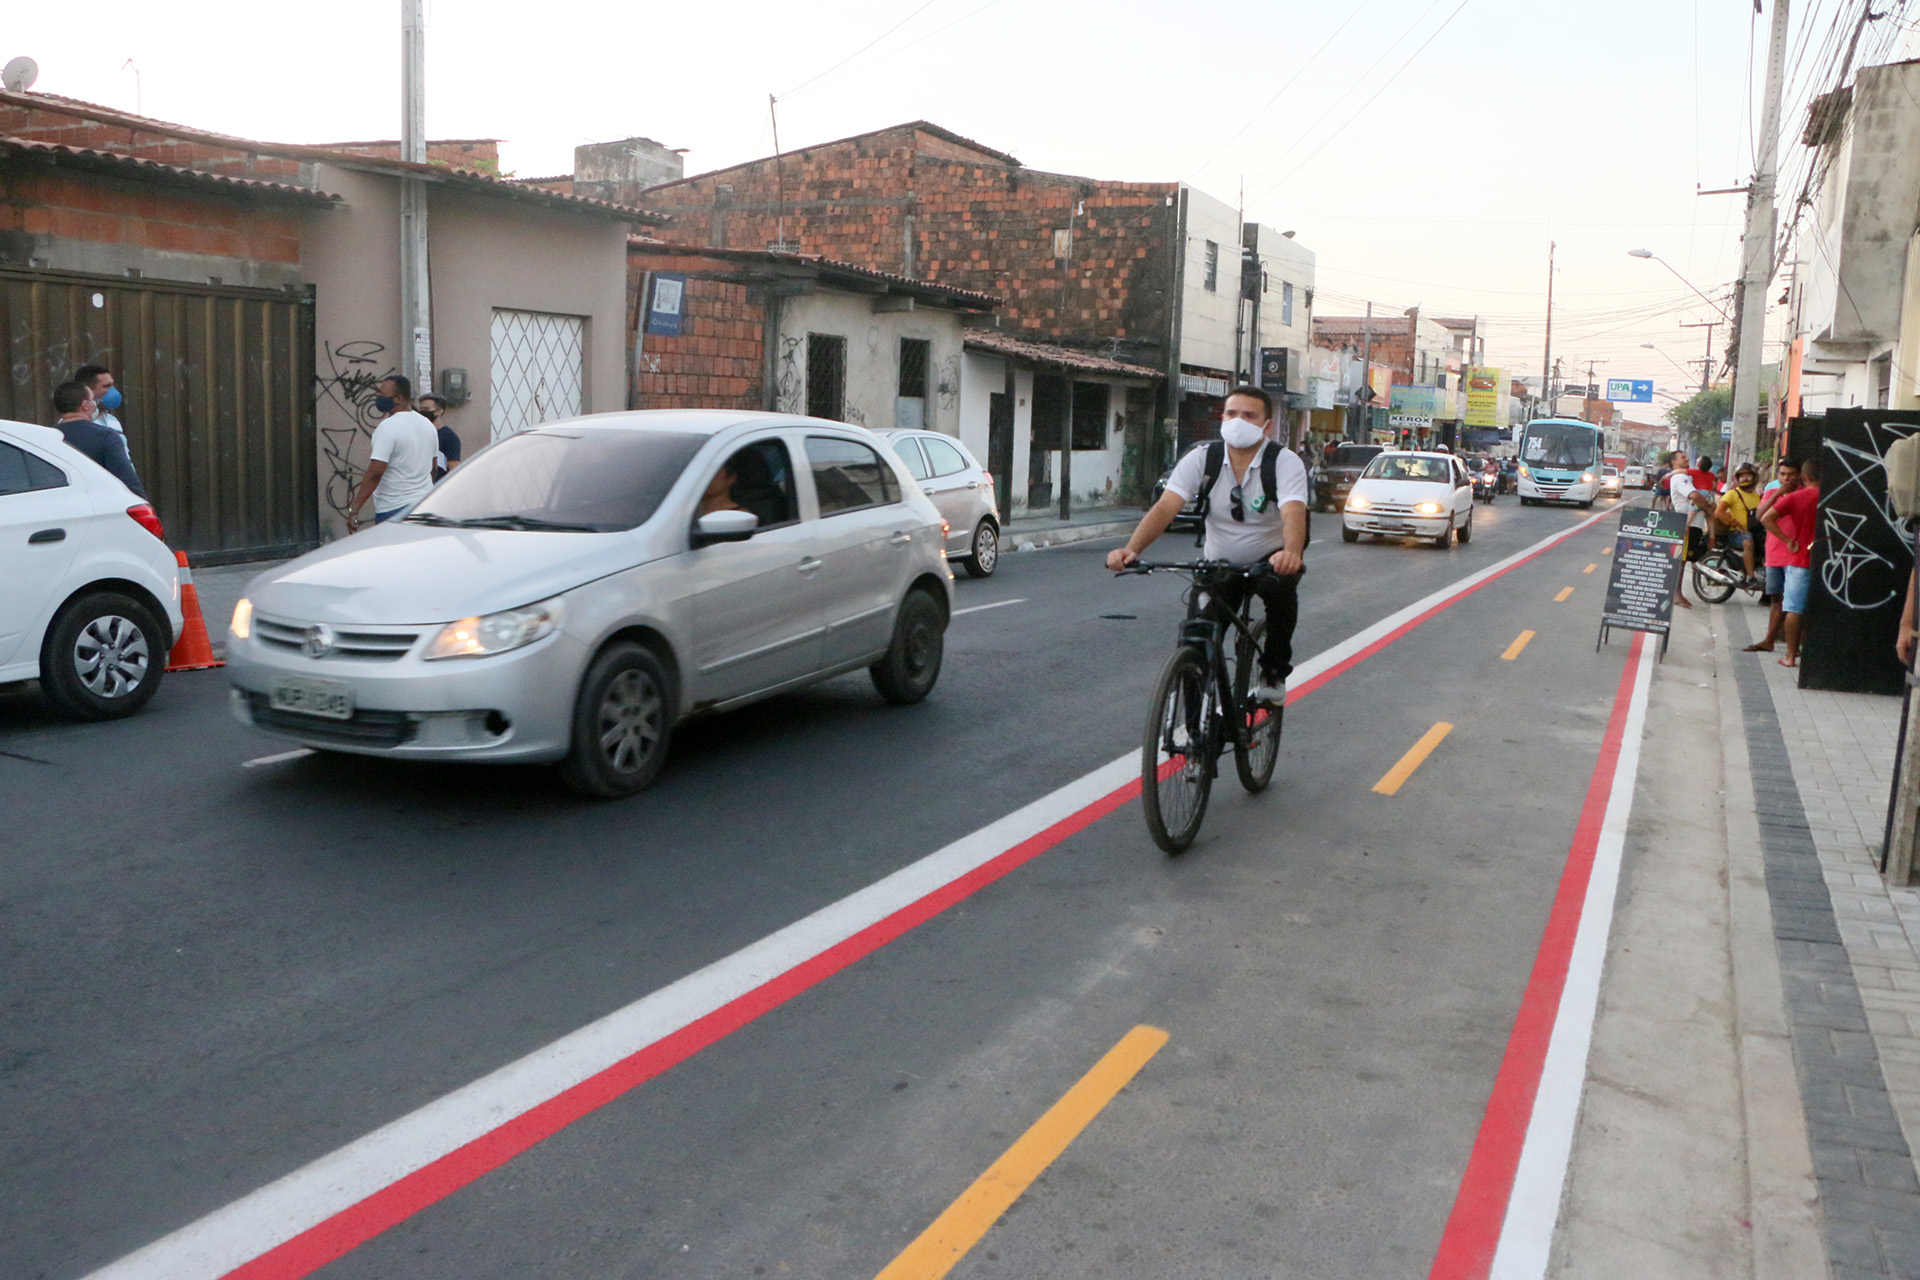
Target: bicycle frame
{"points": [[1209, 637]]}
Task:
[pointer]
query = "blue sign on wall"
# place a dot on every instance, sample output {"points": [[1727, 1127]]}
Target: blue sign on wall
{"points": [[1633, 390], [669, 298]]}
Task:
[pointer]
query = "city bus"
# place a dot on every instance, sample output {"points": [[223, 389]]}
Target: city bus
{"points": [[1559, 462]]}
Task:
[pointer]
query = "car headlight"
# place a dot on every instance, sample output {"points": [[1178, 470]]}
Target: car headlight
{"points": [[495, 633], [1358, 502], [242, 625], [1428, 508]]}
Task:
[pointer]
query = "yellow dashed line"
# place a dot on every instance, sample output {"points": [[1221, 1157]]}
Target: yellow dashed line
{"points": [[1412, 760], [1564, 593], [1513, 650], [1590, 568]]}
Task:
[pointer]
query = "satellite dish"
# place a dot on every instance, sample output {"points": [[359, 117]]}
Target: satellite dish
{"points": [[20, 74]]}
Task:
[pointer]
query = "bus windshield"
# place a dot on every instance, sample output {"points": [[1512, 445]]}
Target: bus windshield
{"points": [[1560, 446]]}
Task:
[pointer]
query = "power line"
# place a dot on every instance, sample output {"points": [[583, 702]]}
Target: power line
{"points": [[862, 49], [1315, 57]]}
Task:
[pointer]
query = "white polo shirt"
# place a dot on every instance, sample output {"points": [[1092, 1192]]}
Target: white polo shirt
{"points": [[406, 442], [1261, 533]]}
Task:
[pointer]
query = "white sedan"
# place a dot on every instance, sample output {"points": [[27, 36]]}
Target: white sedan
{"points": [[1411, 495], [89, 594], [573, 592]]}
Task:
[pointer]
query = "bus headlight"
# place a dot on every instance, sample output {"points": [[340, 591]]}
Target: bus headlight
{"points": [[1586, 478]]}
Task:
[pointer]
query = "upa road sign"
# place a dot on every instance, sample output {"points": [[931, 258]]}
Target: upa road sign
{"points": [[1631, 390]]}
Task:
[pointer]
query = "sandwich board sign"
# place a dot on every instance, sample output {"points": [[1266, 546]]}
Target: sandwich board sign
{"points": [[1649, 555]]}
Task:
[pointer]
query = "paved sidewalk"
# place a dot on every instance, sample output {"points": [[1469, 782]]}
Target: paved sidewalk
{"points": [[1033, 532]]}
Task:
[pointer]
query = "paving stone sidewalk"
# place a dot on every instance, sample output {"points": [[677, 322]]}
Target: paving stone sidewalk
{"points": [[1849, 949]]}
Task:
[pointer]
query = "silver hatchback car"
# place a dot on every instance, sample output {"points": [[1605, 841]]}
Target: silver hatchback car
{"points": [[570, 593], [963, 491]]}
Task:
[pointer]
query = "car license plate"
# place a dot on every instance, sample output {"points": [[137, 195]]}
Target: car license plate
{"points": [[330, 699]]}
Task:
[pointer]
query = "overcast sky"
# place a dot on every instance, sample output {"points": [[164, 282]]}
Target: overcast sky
{"points": [[1426, 150]]}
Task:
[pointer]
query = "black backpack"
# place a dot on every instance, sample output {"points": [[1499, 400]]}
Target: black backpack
{"points": [[1269, 481]]}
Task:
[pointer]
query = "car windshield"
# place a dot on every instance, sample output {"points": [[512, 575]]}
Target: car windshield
{"points": [[594, 480], [1564, 448], [1354, 455], [1402, 466]]}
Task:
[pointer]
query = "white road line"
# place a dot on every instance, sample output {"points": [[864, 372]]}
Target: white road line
{"points": [[278, 1212], [295, 754], [1533, 1208], [997, 604]]}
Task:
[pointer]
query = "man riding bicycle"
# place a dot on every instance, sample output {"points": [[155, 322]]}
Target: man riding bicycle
{"points": [[1256, 509]]}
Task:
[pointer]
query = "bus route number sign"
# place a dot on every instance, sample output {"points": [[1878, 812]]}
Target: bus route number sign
{"points": [[1648, 557]]}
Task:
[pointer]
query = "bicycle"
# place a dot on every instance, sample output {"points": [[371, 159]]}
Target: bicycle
{"points": [[1721, 572], [1200, 704]]}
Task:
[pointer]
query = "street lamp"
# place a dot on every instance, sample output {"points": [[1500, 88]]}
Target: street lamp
{"points": [[1669, 359], [1648, 253]]}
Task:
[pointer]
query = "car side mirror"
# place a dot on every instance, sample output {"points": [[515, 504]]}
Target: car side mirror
{"points": [[724, 526]]}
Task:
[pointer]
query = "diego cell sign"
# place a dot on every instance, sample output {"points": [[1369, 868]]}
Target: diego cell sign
{"points": [[1647, 561]]}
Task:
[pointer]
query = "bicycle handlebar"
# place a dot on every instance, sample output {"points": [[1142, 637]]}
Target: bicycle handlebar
{"points": [[1224, 567]]}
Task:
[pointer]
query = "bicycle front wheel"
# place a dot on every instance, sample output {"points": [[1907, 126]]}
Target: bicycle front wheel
{"points": [[1713, 587], [1176, 755], [1257, 744]]}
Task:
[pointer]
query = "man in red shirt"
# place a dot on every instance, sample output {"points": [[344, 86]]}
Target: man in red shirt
{"points": [[1792, 519]]}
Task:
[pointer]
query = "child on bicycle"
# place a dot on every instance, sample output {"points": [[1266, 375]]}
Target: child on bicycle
{"points": [[1245, 523]]}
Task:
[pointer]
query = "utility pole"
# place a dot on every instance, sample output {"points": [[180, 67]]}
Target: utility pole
{"points": [[1366, 374], [1757, 247], [1591, 384], [1706, 365], [1066, 422], [1546, 355], [416, 299]]}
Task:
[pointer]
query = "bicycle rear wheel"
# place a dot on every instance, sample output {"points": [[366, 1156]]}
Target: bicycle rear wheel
{"points": [[1176, 765], [1257, 746], [1709, 587]]}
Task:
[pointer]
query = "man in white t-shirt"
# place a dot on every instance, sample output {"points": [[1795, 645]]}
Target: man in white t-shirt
{"points": [[1244, 524], [400, 464]]}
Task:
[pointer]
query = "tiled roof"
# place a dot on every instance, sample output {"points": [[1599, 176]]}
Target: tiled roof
{"points": [[468, 179], [171, 174], [828, 269], [1041, 353]]}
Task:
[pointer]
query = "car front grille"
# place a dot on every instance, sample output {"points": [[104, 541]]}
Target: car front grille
{"points": [[362, 646], [365, 729], [1390, 509]]}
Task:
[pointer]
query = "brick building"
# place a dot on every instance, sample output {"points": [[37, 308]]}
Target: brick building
{"points": [[246, 295], [1078, 263]]}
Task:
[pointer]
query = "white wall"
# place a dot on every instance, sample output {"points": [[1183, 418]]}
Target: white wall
{"points": [[1208, 317], [1285, 262], [873, 357]]}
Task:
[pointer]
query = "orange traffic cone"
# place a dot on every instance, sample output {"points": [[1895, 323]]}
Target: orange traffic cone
{"points": [[193, 651]]}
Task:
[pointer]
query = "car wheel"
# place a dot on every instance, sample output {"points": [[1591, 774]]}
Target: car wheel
{"points": [[986, 551], [912, 665], [103, 657], [622, 724], [1444, 538], [1466, 531], [1349, 535]]}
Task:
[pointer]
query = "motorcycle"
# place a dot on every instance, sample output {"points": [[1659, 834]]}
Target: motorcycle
{"points": [[1485, 485]]}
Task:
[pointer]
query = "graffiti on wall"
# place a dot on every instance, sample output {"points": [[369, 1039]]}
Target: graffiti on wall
{"points": [[790, 388], [1859, 481], [350, 382]]}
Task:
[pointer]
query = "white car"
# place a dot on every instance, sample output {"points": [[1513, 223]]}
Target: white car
{"points": [[561, 597], [1610, 481], [1634, 477], [90, 601], [962, 489], [1411, 495]]}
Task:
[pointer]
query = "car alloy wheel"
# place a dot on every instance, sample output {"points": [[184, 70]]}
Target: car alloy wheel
{"points": [[110, 656], [986, 551], [632, 722]]}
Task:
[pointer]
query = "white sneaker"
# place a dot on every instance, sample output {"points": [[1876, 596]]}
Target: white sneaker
{"points": [[1273, 693]]}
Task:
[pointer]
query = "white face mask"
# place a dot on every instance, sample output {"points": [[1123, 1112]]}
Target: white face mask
{"points": [[1242, 434]]}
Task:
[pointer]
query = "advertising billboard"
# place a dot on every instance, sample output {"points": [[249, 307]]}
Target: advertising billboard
{"points": [[1483, 398], [1417, 406]]}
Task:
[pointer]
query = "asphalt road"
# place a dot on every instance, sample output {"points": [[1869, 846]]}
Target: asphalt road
{"points": [[213, 974]]}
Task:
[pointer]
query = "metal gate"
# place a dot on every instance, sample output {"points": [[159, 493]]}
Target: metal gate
{"points": [[539, 366], [218, 384]]}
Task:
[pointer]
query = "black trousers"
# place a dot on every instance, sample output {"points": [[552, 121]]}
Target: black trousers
{"points": [[1281, 595]]}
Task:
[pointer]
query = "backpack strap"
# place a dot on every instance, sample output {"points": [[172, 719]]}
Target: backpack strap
{"points": [[1269, 466], [1215, 459]]}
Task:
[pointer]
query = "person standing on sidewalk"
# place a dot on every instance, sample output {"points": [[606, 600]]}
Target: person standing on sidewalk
{"points": [[1793, 519], [1681, 493], [434, 409], [400, 464], [98, 379], [74, 403], [1786, 480]]}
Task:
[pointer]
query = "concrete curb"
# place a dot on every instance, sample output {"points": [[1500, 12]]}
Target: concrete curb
{"points": [[1782, 1197], [1043, 538]]}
